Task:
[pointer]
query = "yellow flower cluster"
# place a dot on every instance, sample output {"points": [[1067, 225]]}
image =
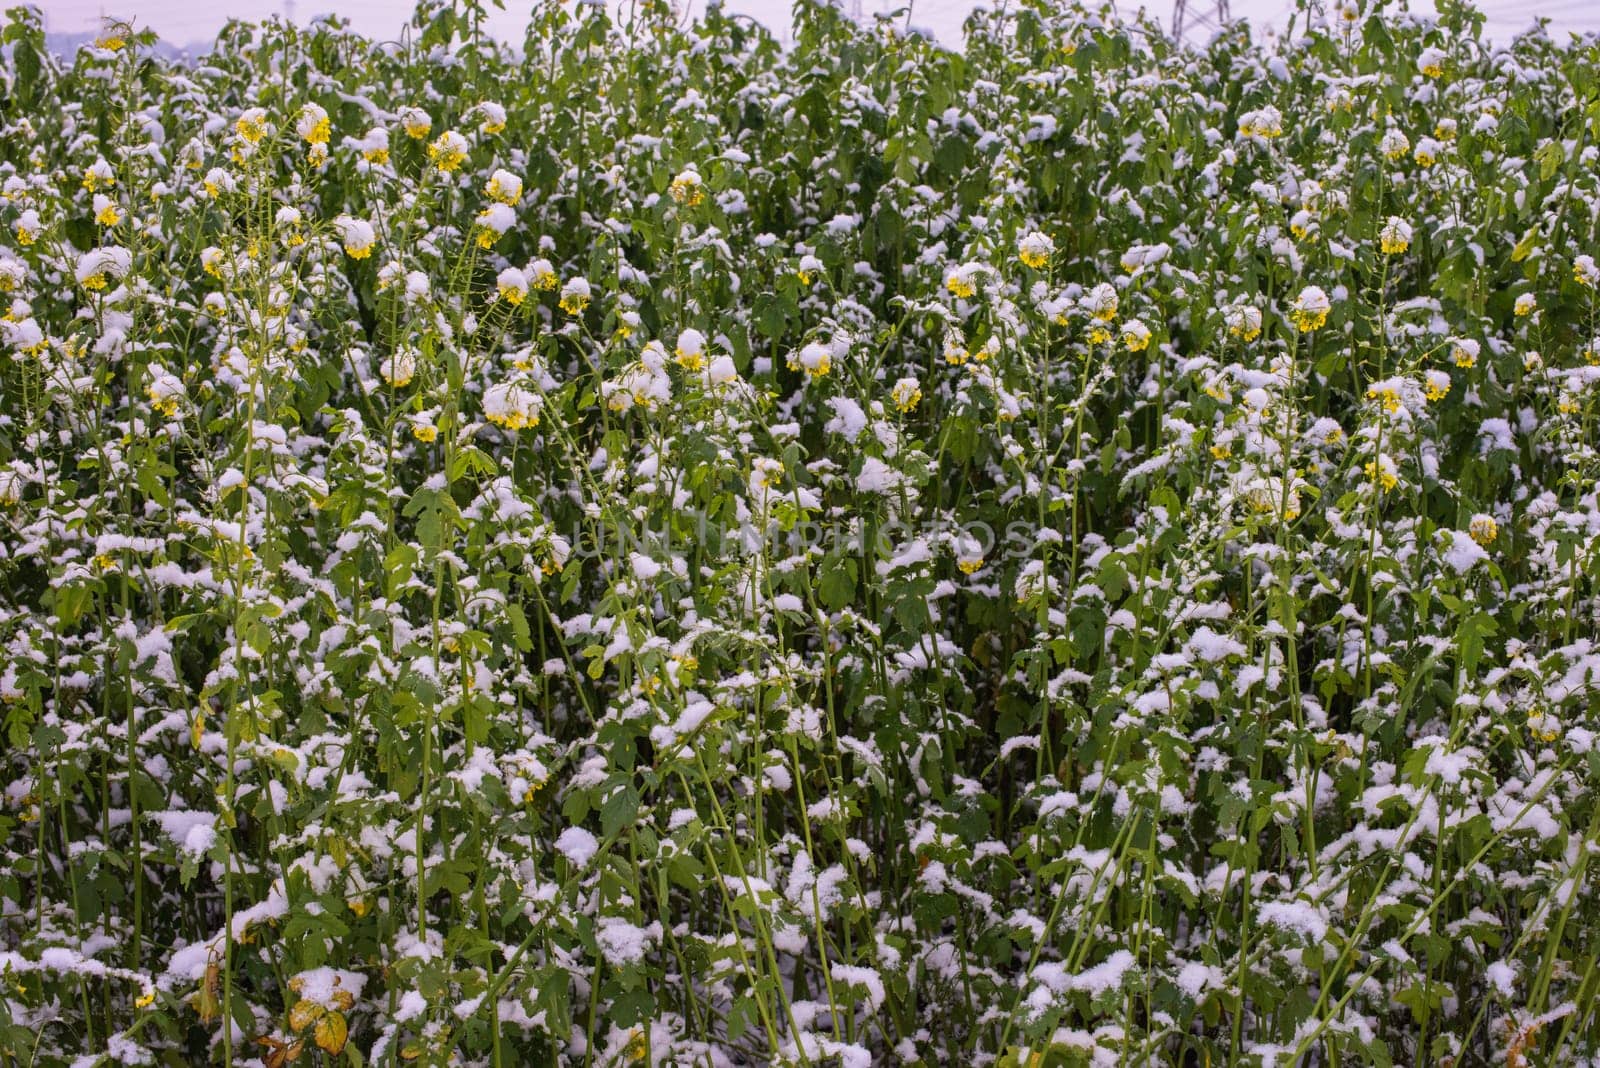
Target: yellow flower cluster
{"points": [[1436, 385], [504, 187], [1264, 122], [416, 123], [512, 285], [1395, 237], [1035, 249], [1585, 272], [252, 125], [1387, 396], [448, 151], [316, 130], [1310, 309], [1135, 335], [1484, 529], [961, 284], [1244, 321], [687, 189], [690, 353], [575, 296], [906, 395]]}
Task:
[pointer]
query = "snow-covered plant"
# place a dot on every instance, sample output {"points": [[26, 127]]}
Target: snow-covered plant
{"points": [[650, 546]]}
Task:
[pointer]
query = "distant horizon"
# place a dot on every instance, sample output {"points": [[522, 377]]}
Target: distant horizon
{"points": [[185, 26]]}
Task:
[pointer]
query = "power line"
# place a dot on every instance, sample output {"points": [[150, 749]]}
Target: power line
{"points": [[1192, 16]]}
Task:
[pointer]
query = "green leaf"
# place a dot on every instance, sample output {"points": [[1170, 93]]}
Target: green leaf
{"points": [[1525, 246], [836, 585], [770, 316], [519, 627], [1469, 639], [619, 810], [1550, 156]]}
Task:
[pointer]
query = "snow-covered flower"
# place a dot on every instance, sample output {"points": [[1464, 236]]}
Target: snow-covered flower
{"points": [[106, 212], [415, 122], [1484, 529], [1395, 144], [1101, 302], [815, 359], [721, 371], [691, 350], [512, 285], [906, 394], [644, 383], [399, 368], [374, 146], [1265, 122], [542, 275], [493, 221], [28, 228], [1135, 335], [492, 117], [166, 392], [1382, 473], [356, 235], [449, 151], [503, 186], [962, 280], [1035, 249], [1243, 321], [1310, 309], [510, 405], [687, 188], [23, 333], [12, 484], [575, 295], [219, 181], [252, 125], [1395, 237], [1585, 272], [13, 272], [98, 175], [101, 266], [313, 125], [1140, 258]]}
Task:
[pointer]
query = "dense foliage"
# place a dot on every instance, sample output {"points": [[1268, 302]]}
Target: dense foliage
{"points": [[653, 546]]}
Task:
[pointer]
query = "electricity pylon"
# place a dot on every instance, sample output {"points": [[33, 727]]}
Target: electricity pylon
{"points": [[1190, 17]]}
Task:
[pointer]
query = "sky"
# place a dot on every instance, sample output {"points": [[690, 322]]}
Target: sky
{"points": [[183, 22]]}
